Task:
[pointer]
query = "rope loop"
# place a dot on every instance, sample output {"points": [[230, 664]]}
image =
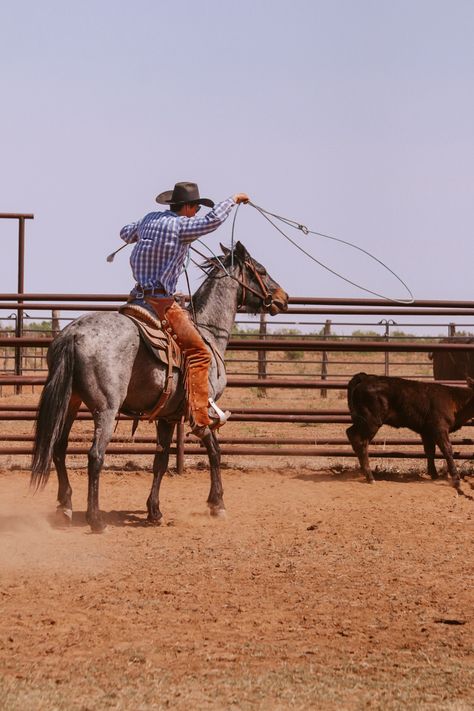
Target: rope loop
{"points": [[293, 223]]}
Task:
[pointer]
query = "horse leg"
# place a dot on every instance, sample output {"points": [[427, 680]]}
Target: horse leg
{"points": [[164, 431], [359, 437], [104, 426], [215, 499], [64, 507], [429, 447]]}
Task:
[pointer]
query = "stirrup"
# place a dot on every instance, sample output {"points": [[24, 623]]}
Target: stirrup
{"points": [[222, 416]]}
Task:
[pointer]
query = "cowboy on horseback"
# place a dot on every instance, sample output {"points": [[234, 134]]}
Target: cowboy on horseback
{"points": [[162, 241]]}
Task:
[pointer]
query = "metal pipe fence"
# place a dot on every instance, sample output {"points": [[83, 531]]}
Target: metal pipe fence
{"points": [[269, 375]]}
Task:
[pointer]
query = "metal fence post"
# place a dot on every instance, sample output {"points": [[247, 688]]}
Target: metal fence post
{"points": [[325, 359], [387, 322], [262, 355], [21, 271], [180, 426], [21, 284]]}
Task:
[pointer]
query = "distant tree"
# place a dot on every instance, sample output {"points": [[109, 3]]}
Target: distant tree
{"points": [[291, 355], [463, 334], [372, 335], [43, 327]]}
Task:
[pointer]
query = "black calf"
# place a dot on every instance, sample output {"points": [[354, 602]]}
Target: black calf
{"points": [[430, 409]]}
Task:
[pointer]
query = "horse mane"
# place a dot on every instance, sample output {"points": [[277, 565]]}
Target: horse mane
{"points": [[211, 268]]}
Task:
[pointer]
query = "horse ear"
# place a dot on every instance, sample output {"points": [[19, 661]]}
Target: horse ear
{"points": [[225, 250], [240, 251]]}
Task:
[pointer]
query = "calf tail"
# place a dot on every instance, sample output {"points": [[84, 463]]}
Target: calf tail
{"points": [[351, 386], [52, 410], [357, 410]]}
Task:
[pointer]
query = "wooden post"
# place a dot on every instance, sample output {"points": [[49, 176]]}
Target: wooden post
{"points": [[325, 359], [55, 323], [452, 330]]}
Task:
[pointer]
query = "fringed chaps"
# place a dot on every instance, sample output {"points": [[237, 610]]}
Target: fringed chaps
{"points": [[178, 323]]}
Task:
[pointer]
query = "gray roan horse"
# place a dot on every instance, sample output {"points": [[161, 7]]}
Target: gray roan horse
{"points": [[100, 360]]}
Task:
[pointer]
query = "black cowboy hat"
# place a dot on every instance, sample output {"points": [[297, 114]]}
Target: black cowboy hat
{"points": [[183, 193]]}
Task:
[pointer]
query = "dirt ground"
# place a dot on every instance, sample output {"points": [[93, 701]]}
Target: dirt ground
{"points": [[317, 591]]}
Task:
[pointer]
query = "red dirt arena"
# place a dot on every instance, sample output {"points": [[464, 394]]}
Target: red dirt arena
{"points": [[317, 591]]}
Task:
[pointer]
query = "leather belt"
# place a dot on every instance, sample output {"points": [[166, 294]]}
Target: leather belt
{"points": [[151, 291]]}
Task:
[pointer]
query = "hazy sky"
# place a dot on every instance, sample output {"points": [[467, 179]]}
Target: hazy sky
{"points": [[354, 117]]}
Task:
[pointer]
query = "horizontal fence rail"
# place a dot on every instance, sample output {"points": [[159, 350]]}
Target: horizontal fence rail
{"points": [[276, 344], [258, 344], [250, 451]]}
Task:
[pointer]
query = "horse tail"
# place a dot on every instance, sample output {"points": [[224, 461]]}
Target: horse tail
{"points": [[52, 410]]}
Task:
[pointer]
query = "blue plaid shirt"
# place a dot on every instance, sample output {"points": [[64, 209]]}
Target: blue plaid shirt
{"points": [[162, 243]]}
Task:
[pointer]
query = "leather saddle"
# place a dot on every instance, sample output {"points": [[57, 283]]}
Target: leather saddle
{"points": [[157, 340], [160, 344]]}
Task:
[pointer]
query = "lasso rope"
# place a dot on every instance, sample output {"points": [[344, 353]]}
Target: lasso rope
{"points": [[296, 225], [306, 231]]}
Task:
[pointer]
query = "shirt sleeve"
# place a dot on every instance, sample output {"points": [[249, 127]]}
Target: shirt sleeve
{"points": [[129, 233], [190, 228]]}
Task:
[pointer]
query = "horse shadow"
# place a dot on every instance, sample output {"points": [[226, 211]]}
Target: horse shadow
{"points": [[117, 519]]}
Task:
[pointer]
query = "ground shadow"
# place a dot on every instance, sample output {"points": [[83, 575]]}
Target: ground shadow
{"points": [[134, 519], [354, 474], [406, 477]]}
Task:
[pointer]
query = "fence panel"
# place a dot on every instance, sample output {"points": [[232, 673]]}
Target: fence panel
{"points": [[265, 364]]}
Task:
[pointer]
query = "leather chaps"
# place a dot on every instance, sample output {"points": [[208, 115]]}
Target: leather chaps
{"points": [[178, 323]]}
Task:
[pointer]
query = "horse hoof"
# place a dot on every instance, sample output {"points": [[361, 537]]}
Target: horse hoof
{"points": [[370, 481], [154, 521], [218, 513], [63, 517], [98, 527]]}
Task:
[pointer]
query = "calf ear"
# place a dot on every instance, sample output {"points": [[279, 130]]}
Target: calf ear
{"points": [[470, 383]]}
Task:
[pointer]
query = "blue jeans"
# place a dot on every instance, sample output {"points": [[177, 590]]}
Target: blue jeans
{"points": [[138, 297]]}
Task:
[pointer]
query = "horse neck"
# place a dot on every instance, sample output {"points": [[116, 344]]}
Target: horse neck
{"points": [[215, 306]]}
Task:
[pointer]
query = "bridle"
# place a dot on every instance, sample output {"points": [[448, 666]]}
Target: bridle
{"points": [[265, 295]]}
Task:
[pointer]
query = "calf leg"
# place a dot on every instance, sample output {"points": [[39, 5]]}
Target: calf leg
{"points": [[429, 447], [360, 436], [164, 432], [444, 443]]}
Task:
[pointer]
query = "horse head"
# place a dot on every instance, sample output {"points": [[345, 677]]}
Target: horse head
{"points": [[258, 292]]}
